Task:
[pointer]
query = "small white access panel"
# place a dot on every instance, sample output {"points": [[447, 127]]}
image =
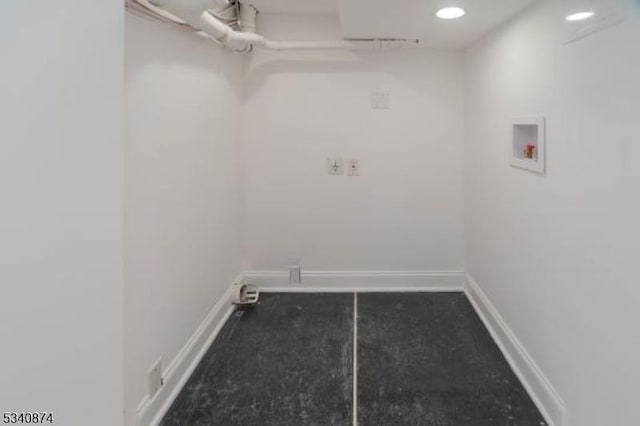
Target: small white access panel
{"points": [[380, 100], [528, 144]]}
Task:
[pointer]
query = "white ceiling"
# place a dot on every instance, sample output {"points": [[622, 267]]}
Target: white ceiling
{"points": [[413, 19], [416, 19]]}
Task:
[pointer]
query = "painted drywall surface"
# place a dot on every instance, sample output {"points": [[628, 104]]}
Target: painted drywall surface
{"points": [[183, 190], [405, 210], [61, 229], [556, 253]]}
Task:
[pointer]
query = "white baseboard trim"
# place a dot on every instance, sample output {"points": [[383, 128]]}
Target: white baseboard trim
{"points": [[151, 411], [357, 281], [537, 385]]}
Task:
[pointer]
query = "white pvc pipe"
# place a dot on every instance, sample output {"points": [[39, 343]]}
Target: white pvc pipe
{"points": [[240, 42], [339, 45], [244, 42], [248, 14]]}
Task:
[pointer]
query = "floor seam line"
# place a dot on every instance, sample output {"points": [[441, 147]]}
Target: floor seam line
{"points": [[355, 359]]}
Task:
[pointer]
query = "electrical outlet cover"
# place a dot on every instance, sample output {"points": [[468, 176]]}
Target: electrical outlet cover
{"points": [[295, 275], [335, 166], [353, 167], [154, 376]]}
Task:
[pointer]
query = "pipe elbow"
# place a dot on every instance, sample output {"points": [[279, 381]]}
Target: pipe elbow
{"points": [[214, 27]]}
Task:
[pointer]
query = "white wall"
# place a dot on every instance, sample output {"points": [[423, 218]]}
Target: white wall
{"points": [[61, 229], [405, 211], [556, 254], [183, 190]]}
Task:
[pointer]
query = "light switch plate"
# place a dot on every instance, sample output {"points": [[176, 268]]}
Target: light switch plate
{"points": [[335, 166]]}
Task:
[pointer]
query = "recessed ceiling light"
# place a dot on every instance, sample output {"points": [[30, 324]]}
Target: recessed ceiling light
{"points": [[450, 13], [579, 16]]}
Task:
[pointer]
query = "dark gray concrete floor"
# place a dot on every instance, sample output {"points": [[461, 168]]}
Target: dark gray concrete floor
{"points": [[423, 359], [287, 361], [427, 359]]}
